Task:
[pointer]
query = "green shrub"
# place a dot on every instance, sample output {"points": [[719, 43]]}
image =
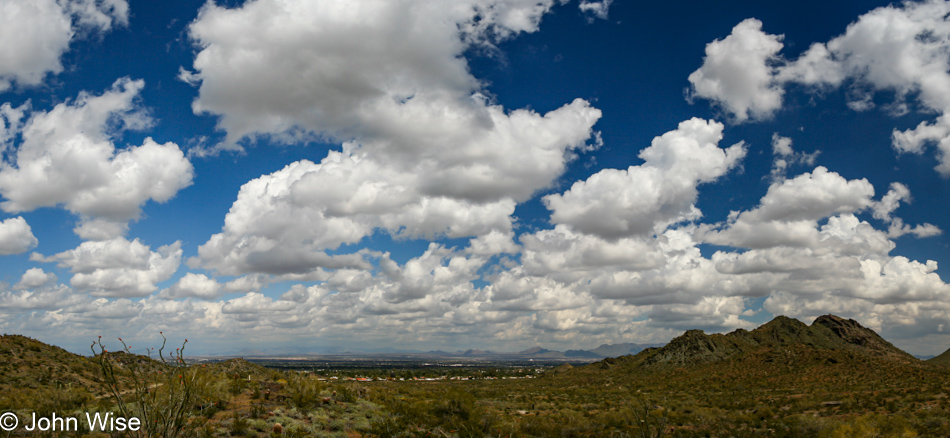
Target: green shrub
{"points": [[304, 392]]}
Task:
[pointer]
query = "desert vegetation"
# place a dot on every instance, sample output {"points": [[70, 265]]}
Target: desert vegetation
{"points": [[785, 379]]}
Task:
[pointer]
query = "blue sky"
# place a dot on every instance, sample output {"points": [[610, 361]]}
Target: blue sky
{"points": [[475, 174]]}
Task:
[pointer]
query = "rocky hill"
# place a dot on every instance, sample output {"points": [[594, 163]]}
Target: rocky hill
{"points": [[828, 332]]}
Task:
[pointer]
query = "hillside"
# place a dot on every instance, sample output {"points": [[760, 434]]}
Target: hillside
{"points": [[783, 379], [831, 357], [27, 362], [42, 376], [829, 332], [942, 359], [36, 374]]}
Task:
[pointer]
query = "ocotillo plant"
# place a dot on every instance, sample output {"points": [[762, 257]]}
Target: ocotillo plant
{"points": [[161, 395]]}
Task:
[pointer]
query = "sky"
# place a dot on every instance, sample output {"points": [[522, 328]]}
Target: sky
{"points": [[363, 175]]}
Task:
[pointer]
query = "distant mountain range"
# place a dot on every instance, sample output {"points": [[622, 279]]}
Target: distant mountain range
{"points": [[601, 352], [535, 353], [837, 336], [827, 332]]}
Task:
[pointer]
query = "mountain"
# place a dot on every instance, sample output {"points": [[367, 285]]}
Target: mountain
{"points": [[534, 351], [537, 352], [583, 354], [614, 350], [828, 332], [603, 351], [832, 352]]}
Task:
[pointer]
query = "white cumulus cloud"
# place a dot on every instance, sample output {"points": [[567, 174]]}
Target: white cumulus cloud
{"points": [[646, 198], [737, 72], [67, 157], [193, 285], [34, 278], [425, 153], [350, 68], [36, 33], [16, 236], [899, 48], [117, 267]]}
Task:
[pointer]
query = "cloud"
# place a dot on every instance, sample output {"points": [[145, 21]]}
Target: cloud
{"points": [[432, 298], [349, 69], [595, 9], [247, 283], [36, 290], [645, 199], [425, 153], [117, 267], [11, 121], [786, 156], [428, 154], [686, 277], [515, 293], [802, 239], [193, 286], [819, 257], [16, 236], [286, 221], [710, 313], [495, 242], [737, 73], [901, 49], [845, 256], [788, 214], [67, 157], [574, 281], [48, 298], [98, 14], [812, 196], [36, 33], [898, 48], [882, 210], [34, 278], [568, 256], [916, 140]]}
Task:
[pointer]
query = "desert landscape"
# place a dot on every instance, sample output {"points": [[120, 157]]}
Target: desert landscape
{"points": [[834, 378]]}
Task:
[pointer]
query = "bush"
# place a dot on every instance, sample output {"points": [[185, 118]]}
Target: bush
{"points": [[239, 426], [304, 392]]}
